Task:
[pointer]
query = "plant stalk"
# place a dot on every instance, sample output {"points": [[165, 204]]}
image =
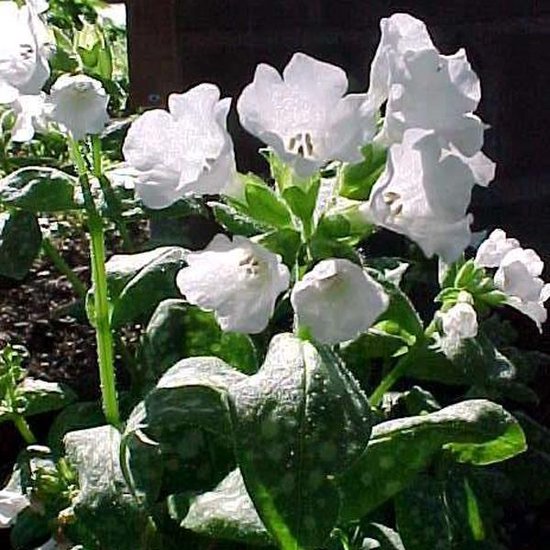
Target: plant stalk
{"points": [[24, 429], [390, 379], [101, 315]]}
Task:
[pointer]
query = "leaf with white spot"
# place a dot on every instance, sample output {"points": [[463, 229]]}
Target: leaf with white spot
{"points": [[476, 431], [191, 393], [227, 513], [298, 422]]}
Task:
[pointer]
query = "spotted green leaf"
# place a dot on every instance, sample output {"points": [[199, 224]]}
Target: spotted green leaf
{"points": [[476, 431], [299, 422], [227, 512]]}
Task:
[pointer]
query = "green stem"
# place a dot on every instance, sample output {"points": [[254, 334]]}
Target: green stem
{"points": [[63, 267], [24, 429], [390, 379], [101, 315], [113, 202]]}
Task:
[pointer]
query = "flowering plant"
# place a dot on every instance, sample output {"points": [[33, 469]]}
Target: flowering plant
{"points": [[264, 406]]}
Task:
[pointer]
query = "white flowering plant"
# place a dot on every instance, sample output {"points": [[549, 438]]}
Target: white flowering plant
{"points": [[275, 397]]}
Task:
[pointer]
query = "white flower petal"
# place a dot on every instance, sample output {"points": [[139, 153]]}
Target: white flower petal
{"points": [[11, 503], [492, 250], [424, 193], [79, 105], [186, 151], [304, 116], [338, 301], [238, 280], [30, 111]]}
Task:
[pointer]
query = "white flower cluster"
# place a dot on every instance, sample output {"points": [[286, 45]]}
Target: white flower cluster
{"points": [[518, 274], [458, 323], [240, 282], [434, 139], [78, 104]]}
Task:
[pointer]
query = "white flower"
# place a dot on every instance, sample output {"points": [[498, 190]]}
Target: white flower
{"points": [[40, 6], [11, 503], [31, 116], [24, 51], [492, 250], [337, 301], [518, 276], [424, 89], [79, 104], [238, 280], [304, 115], [458, 323], [184, 151], [425, 191]]}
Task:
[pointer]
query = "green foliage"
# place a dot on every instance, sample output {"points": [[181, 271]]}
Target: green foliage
{"points": [[20, 241], [358, 179], [39, 189]]}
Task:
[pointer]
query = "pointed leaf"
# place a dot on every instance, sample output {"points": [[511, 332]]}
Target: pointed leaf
{"points": [[297, 423], [476, 431]]}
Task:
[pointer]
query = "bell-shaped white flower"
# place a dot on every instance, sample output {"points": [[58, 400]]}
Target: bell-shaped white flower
{"points": [[423, 88], [518, 276], [493, 249], [337, 301], [305, 116], [238, 280], [24, 51], [425, 191], [11, 503], [183, 151], [458, 324], [31, 117], [79, 104]]}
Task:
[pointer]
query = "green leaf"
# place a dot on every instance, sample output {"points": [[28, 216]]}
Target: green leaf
{"points": [[30, 529], [359, 179], [322, 248], [138, 282], [192, 393], [39, 189], [20, 241], [266, 207], [297, 423], [302, 199], [178, 330], [104, 507], [227, 513], [476, 431], [40, 396], [401, 312], [384, 537], [285, 242], [235, 221]]}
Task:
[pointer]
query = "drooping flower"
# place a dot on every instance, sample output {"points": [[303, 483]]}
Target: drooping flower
{"points": [[305, 115], [24, 52], [518, 276], [79, 104], [11, 503], [31, 117], [458, 323], [183, 151], [423, 88], [492, 250], [238, 280], [425, 191], [337, 301]]}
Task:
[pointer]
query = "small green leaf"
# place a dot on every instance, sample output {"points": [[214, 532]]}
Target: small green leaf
{"points": [[138, 282], [235, 221], [39, 189], [359, 179], [297, 423], [475, 431], [302, 199], [266, 207], [227, 513], [40, 396], [285, 242], [20, 242]]}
